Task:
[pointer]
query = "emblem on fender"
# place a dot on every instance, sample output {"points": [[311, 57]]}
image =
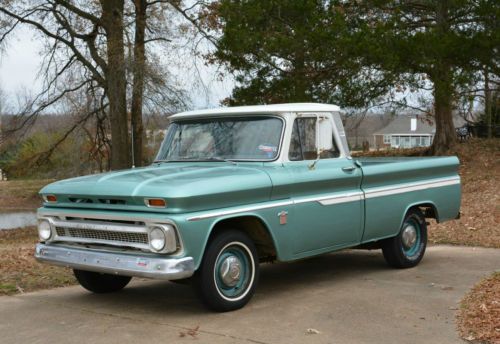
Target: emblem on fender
{"points": [[283, 217]]}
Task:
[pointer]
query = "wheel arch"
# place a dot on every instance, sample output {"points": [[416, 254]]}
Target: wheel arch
{"points": [[254, 226], [428, 208]]}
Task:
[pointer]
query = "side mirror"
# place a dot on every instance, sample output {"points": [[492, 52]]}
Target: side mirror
{"points": [[325, 134]]}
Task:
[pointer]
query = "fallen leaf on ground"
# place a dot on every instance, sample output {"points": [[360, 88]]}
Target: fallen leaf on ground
{"points": [[312, 331], [193, 332]]}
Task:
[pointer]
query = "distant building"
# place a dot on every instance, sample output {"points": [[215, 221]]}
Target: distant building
{"points": [[360, 129], [405, 132], [408, 132]]}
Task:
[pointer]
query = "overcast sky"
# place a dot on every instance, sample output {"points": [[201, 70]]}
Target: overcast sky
{"points": [[20, 61]]}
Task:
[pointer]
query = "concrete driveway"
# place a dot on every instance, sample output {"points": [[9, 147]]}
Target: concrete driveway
{"points": [[348, 297]]}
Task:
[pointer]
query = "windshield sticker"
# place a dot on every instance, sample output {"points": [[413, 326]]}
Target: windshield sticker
{"points": [[268, 149]]}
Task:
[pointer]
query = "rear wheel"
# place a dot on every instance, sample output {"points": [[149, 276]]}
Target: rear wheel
{"points": [[229, 272], [407, 249], [101, 283]]}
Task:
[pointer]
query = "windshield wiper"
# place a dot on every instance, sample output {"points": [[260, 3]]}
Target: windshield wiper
{"points": [[212, 158], [218, 158], [157, 161]]}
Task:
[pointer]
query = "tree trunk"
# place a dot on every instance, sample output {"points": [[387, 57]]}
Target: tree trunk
{"points": [[445, 136], [487, 101], [112, 19], [138, 83], [441, 75]]}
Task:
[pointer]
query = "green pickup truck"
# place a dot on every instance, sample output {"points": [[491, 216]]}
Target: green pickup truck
{"points": [[233, 187]]}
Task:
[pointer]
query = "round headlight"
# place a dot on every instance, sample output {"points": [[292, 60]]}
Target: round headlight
{"points": [[44, 230], [157, 239]]}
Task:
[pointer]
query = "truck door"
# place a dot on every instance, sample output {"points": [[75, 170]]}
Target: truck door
{"points": [[328, 205]]}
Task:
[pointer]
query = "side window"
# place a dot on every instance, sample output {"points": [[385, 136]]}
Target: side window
{"points": [[303, 141]]}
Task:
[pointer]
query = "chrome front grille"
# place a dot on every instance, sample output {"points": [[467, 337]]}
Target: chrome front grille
{"points": [[95, 234], [100, 231]]}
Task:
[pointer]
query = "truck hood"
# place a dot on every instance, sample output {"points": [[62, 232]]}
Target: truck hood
{"points": [[186, 187]]}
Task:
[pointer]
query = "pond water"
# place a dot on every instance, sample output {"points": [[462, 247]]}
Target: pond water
{"points": [[17, 220]]}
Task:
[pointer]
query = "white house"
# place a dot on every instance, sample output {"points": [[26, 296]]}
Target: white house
{"points": [[405, 132]]}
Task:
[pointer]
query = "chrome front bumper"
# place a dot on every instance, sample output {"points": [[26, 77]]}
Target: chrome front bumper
{"points": [[116, 263]]}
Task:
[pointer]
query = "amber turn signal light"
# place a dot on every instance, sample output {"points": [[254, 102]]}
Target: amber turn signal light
{"points": [[155, 202], [50, 198]]}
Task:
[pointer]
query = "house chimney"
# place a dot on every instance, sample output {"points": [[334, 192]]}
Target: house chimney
{"points": [[413, 126]]}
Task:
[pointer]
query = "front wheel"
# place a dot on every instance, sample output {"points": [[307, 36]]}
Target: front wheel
{"points": [[229, 272], [100, 283], [407, 249]]}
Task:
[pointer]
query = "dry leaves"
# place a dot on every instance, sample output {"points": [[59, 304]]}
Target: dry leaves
{"points": [[21, 194], [480, 174], [192, 332], [19, 271], [479, 315]]}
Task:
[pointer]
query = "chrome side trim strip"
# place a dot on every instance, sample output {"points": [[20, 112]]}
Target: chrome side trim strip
{"points": [[325, 200], [241, 210], [333, 198], [402, 188], [344, 199], [340, 198]]}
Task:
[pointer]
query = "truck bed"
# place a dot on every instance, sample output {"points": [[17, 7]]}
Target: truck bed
{"points": [[393, 185]]}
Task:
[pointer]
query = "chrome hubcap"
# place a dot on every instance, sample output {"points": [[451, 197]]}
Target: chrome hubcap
{"points": [[230, 271], [409, 236]]}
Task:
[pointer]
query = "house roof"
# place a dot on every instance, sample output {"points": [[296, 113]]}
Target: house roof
{"points": [[261, 109], [402, 125]]}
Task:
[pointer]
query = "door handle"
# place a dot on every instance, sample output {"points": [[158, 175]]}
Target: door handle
{"points": [[348, 168]]}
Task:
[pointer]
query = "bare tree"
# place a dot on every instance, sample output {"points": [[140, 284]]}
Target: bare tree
{"points": [[116, 85], [85, 52], [138, 81], [84, 48]]}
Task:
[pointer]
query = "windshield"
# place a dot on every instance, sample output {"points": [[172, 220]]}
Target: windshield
{"points": [[212, 139]]}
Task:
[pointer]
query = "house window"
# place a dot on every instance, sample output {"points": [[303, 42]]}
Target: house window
{"points": [[407, 143], [387, 139]]}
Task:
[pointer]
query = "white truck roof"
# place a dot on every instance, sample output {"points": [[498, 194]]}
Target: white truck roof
{"points": [[261, 109]]}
